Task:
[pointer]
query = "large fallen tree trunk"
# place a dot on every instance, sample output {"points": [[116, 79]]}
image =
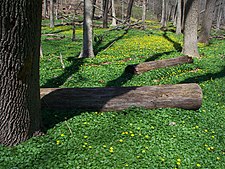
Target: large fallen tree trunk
{"points": [[186, 96], [146, 66]]}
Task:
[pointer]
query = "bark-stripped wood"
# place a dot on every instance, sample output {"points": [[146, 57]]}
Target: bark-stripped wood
{"points": [[146, 66], [186, 96]]}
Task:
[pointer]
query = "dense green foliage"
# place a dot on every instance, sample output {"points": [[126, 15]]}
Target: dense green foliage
{"points": [[133, 138]]}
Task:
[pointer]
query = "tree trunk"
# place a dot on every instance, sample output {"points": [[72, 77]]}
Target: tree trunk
{"points": [[74, 31], [129, 10], [179, 15], [113, 13], [87, 50], [163, 18], [45, 8], [207, 21], [105, 13], [122, 8], [183, 13], [51, 13], [187, 96], [146, 66], [190, 28], [20, 31], [93, 13], [220, 12], [144, 8]]}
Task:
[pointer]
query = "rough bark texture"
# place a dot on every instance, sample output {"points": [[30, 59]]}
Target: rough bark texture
{"points": [[187, 96], [190, 28], [87, 50], [207, 21], [20, 27], [146, 66]]}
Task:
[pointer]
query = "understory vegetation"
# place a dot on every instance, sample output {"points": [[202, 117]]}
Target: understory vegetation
{"points": [[133, 138]]}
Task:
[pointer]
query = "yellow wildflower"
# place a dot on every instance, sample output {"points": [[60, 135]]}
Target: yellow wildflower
{"points": [[198, 165], [111, 149]]}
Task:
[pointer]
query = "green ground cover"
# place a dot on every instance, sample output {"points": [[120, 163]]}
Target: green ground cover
{"points": [[133, 138]]}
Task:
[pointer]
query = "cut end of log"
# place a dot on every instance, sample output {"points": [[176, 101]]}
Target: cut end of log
{"points": [[186, 96]]}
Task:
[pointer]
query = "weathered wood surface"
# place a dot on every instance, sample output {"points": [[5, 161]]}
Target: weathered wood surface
{"points": [[146, 66], [186, 96]]}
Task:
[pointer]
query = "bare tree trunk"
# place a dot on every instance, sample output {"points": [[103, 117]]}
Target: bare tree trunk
{"points": [[207, 21], [220, 12], [190, 28], [20, 117], [87, 50], [163, 18], [183, 13], [113, 13], [102, 8], [179, 15], [94, 3], [122, 12], [51, 13], [45, 10], [129, 10], [105, 13], [144, 8], [74, 31]]}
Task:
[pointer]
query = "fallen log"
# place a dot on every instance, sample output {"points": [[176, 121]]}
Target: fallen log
{"points": [[186, 96], [146, 66]]}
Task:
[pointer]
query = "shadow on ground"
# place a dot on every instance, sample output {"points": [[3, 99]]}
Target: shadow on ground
{"points": [[206, 77]]}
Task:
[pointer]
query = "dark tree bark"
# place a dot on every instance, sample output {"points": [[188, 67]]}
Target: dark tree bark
{"points": [[190, 28], [105, 13], [129, 10], [20, 27], [207, 21], [187, 96], [87, 49]]}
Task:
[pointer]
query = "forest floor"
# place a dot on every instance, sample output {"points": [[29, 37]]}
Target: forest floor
{"points": [[134, 138]]}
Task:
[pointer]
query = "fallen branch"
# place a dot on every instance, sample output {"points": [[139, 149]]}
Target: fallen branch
{"points": [[146, 66], [186, 96]]}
